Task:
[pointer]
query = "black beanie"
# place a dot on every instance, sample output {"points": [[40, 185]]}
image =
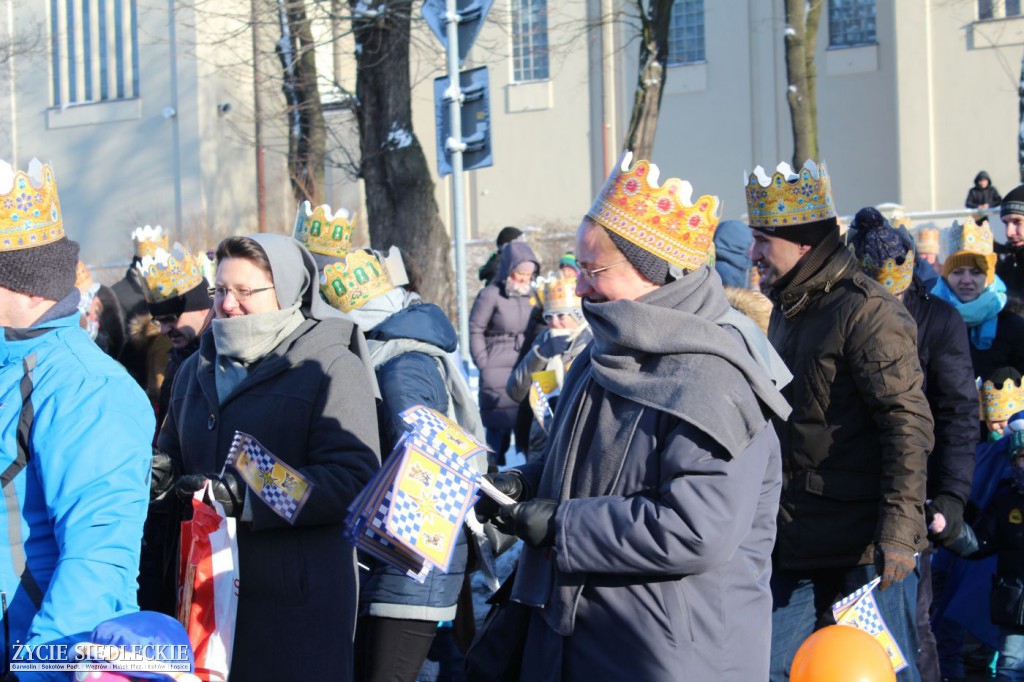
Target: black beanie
{"points": [[803, 233], [1013, 202], [654, 269], [47, 270], [196, 298]]}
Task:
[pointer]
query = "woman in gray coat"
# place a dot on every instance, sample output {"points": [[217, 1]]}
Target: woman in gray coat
{"points": [[278, 366]]}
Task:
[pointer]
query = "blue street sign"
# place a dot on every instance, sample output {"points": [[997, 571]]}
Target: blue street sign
{"points": [[471, 18], [476, 121]]}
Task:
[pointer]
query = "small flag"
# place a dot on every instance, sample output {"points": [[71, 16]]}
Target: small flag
{"points": [[543, 388], [283, 488], [861, 611]]}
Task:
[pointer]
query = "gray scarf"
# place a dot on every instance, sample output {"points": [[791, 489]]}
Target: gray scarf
{"points": [[240, 341], [667, 350]]}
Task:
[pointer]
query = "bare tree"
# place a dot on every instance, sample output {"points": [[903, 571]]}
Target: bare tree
{"points": [[802, 19], [654, 16], [400, 199]]}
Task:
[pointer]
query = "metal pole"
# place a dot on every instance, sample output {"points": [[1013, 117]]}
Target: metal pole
{"points": [[456, 147]]}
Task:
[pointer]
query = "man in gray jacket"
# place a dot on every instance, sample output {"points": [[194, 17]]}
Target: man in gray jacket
{"points": [[649, 526]]}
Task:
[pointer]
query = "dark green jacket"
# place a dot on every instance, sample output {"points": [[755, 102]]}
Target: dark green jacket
{"points": [[856, 445]]}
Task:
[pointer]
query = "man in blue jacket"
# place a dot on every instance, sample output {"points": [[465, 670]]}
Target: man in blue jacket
{"points": [[75, 450]]}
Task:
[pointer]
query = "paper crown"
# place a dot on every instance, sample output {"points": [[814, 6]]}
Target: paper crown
{"points": [[29, 208], [559, 295], [149, 239], [354, 280], [83, 278], [971, 243], [998, 404], [659, 219], [789, 198], [322, 232], [169, 274], [928, 240], [894, 276]]}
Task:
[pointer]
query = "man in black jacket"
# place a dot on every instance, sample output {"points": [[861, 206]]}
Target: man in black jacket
{"points": [[1010, 268], [856, 445], [886, 255]]}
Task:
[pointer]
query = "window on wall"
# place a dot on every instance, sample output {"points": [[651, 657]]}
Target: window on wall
{"points": [[997, 9], [530, 40], [94, 47], [851, 23], [686, 32]]}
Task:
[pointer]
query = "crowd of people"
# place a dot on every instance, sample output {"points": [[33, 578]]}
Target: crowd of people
{"points": [[727, 428]]}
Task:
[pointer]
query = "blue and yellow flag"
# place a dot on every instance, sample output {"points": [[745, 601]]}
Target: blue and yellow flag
{"points": [[283, 489], [861, 611]]}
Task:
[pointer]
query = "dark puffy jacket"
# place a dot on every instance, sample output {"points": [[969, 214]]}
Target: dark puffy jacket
{"points": [[497, 324], [1007, 349], [998, 530], [1010, 269], [945, 356], [856, 445], [412, 378], [976, 196]]}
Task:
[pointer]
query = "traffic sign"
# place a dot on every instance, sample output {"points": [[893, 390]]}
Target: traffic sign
{"points": [[471, 18], [476, 121]]}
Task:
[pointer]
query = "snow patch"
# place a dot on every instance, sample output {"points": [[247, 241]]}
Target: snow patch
{"points": [[398, 138]]}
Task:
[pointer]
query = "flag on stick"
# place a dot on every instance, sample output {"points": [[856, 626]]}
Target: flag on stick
{"points": [[283, 488], [861, 611]]}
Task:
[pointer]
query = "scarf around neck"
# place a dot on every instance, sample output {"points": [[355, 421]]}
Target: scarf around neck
{"points": [[980, 315], [248, 338], [668, 350]]}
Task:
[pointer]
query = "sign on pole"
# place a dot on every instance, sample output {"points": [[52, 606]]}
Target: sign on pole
{"points": [[471, 15], [474, 87]]}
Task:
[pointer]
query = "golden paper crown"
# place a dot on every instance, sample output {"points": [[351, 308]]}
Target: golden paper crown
{"points": [[149, 239], [928, 240], [559, 295], [895, 277], [29, 208], [354, 280], [83, 278], [788, 198], [166, 275], [971, 243], [998, 404], [659, 219], [322, 232]]}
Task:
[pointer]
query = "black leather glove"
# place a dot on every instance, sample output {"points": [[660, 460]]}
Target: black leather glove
{"points": [[533, 521], [162, 476], [228, 489], [552, 347], [511, 483], [953, 511], [895, 562]]}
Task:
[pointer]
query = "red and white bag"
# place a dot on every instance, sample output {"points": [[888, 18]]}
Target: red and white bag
{"points": [[208, 586]]}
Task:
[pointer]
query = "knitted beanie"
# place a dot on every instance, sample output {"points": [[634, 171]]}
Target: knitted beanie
{"points": [[1013, 202], [654, 269], [47, 270], [875, 241]]}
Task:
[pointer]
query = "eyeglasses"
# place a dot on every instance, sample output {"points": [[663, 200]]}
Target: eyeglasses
{"points": [[559, 316], [241, 294], [591, 274]]}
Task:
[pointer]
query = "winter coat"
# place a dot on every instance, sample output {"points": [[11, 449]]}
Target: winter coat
{"points": [[855, 448], [733, 240], [81, 500], [976, 196], [412, 378], [310, 403], [1007, 349], [998, 530], [1010, 269], [497, 324], [944, 353]]}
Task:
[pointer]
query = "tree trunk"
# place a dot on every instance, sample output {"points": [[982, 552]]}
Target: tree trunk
{"points": [[802, 19], [307, 133], [643, 124], [400, 200], [1020, 131]]}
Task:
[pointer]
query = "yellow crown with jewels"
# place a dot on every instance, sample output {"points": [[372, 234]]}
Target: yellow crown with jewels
{"points": [[29, 208], [998, 404], [928, 240], [149, 239], [323, 232], [894, 274], [354, 280], [659, 219], [169, 274], [971, 244], [559, 296], [789, 198]]}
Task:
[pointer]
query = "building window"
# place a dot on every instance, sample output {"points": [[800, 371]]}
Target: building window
{"points": [[94, 47], [686, 32], [997, 9], [530, 40], [851, 23]]}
